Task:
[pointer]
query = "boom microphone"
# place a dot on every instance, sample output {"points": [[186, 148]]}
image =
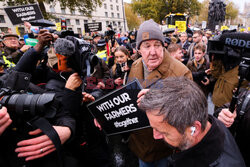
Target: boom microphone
{"points": [[64, 47]]}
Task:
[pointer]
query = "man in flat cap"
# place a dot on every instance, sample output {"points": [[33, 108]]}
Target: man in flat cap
{"points": [[155, 64], [11, 52]]}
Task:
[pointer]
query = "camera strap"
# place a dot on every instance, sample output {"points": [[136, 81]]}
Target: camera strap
{"points": [[48, 130], [244, 105]]}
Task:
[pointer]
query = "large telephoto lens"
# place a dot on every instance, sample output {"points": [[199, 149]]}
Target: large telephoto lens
{"points": [[30, 105]]}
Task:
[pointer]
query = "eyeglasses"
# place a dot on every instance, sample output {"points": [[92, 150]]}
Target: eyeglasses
{"points": [[11, 38]]}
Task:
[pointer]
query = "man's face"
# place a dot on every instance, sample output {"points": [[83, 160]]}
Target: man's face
{"points": [[183, 38], [162, 130], [152, 53], [178, 55], [198, 54], [96, 39], [11, 42], [197, 38], [132, 37], [22, 42]]}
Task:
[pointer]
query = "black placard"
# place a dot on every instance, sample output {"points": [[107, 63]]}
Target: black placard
{"points": [[118, 112], [19, 14], [92, 27]]}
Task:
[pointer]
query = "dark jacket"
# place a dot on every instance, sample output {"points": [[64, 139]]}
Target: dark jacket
{"points": [[141, 142], [19, 131], [241, 124], [216, 149], [12, 55], [68, 103], [198, 73]]}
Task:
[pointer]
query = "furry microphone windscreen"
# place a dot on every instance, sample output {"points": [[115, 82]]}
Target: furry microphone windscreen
{"points": [[64, 47]]}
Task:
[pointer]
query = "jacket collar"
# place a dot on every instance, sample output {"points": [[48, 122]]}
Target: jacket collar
{"points": [[205, 152]]}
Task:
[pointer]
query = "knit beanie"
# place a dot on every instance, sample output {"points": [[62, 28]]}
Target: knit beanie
{"points": [[149, 30]]}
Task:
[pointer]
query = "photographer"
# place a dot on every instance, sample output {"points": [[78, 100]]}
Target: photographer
{"points": [[230, 120], [68, 101], [199, 67]]}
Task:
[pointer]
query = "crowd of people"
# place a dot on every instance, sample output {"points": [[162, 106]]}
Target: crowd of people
{"points": [[182, 133]]}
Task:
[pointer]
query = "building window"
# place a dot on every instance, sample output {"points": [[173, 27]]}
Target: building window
{"points": [[114, 23], [2, 19], [107, 23], [118, 15], [57, 20], [77, 22], [119, 23], [117, 7], [106, 14], [116, 1], [4, 29], [112, 14], [85, 21], [111, 7], [105, 6], [79, 30], [63, 10], [52, 9], [68, 21], [110, 0], [73, 12]]}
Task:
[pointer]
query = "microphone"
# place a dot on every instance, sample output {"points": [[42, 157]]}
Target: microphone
{"points": [[64, 47], [236, 40]]}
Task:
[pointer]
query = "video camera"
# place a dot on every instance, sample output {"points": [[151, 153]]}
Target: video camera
{"points": [[80, 56], [233, 49]]}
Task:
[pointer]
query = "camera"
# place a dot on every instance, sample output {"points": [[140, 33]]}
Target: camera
{"points": [[28, 106], [79, 55], [119, 70]]}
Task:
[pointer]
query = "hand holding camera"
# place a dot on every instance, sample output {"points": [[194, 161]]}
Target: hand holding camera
{"points": [[44, 38], [5, 120]]}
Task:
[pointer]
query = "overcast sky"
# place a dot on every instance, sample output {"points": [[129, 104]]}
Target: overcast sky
{"points": [[240, 3]]}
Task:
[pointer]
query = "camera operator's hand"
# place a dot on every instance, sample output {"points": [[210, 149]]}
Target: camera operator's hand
{"points": [[25, 48], [208, 71], [125, 68], [44, 38], [28, 26], [42, 145], [226, 117], [118, 81], [5, 120], [100, 85], [141, 95], [207, 81], [73, 82], [87, 97]]}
